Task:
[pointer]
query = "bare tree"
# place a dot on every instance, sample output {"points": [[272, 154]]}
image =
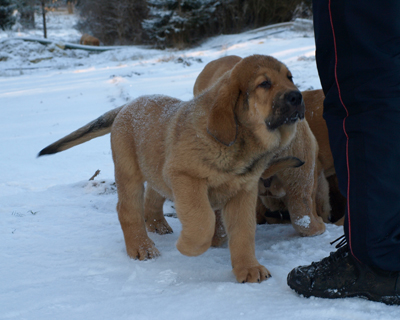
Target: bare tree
{"points": [[43, 4], [27, 10], [113, 22]]}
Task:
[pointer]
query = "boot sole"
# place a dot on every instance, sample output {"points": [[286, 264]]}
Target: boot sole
{"points": [[335, 294]]}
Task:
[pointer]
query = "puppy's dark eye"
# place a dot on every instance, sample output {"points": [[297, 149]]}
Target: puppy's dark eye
{"points": [[265, 84], [290, 78]]}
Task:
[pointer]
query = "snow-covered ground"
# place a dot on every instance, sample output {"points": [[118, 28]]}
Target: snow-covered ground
{"points": [[62, 253]]}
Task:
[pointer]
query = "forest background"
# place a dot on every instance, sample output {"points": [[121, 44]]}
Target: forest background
{"points": [[159, 23]]}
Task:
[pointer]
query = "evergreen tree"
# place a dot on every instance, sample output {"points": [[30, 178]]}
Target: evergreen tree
{"points": [[180, 23], [7, 19]]}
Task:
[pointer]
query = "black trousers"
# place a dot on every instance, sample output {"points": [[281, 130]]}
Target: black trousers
{"points": [[358, 60]]}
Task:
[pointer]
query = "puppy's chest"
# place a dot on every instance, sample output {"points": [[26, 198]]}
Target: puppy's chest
{"points": [[253, 166], [241, 164], [219, 196], [224, 186]]}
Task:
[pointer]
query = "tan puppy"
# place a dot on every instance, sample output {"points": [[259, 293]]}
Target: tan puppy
{"points": [[300, 185], [89, 40], [205, 154]]}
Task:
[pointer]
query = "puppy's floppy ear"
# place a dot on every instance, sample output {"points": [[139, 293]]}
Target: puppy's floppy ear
{"points": [[221, 124]]}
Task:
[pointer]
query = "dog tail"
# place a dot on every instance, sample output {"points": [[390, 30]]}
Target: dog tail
{"points": [[280, 164], [99, 127]]}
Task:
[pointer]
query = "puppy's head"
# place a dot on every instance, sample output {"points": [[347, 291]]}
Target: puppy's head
{"points": [[271, 187], [269, 184], [269, 91], [259, 93]]}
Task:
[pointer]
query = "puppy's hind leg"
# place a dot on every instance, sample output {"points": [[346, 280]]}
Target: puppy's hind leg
{"points": [[153, 212], [220, 236], [131, 202]]}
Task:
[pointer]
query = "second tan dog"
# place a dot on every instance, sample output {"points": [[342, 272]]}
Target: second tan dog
{"points": [[306, 189], [205, 154], [273, 197], [89, 40]]}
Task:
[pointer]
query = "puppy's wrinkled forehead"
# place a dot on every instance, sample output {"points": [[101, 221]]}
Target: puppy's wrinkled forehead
{"points": [[266, 66], [256, 62], [272, 64]]}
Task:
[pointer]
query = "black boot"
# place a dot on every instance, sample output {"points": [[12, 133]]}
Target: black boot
{"points": [[340, 275]]}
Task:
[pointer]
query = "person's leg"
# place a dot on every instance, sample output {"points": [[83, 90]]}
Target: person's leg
{"points": [[359, 68], [358, 60]]}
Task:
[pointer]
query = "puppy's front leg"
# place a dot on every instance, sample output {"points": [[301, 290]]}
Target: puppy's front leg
{"points": [[301, 203], [240, 222], [195, 213]]}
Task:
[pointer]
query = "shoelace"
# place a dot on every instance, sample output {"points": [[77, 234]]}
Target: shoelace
{"points": [[333, 256], [342, 243]]}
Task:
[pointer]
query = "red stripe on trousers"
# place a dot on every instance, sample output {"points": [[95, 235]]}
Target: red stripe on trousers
{"points": [[344, 130]]}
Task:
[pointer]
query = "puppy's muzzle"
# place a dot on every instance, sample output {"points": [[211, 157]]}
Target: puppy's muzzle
{"points": [[289, 108], [294, 100]]}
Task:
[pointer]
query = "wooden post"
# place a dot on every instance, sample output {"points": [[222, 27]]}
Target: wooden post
{"points": [[44, 19], [70, 7]]}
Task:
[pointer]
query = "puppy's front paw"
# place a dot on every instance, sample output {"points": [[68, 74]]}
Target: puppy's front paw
{"points": [[256, 273], [192, 247], [142, 250], [309, 226]]}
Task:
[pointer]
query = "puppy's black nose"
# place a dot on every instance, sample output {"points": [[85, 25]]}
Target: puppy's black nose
{"points": [[266, 182], [294, 98]]}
